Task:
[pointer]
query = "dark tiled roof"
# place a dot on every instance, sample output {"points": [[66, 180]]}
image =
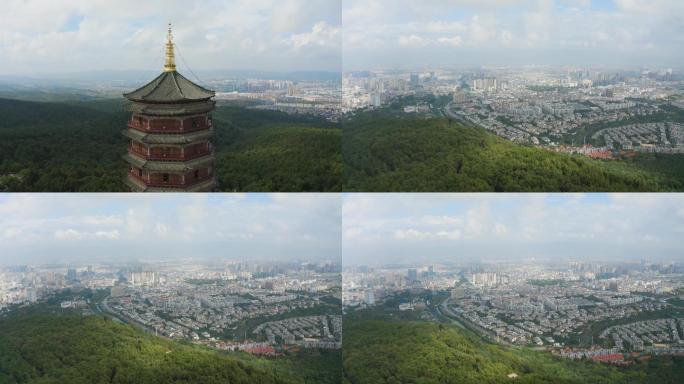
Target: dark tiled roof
{"points": [[170, 87], [168, 166], [163, 138]]}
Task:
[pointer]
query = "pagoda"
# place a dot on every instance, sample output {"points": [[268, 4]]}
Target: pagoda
{"points": [[170, 133]]}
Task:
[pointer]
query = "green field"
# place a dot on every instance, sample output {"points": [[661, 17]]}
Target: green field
{"points": [[76, 146], [390, 351], [385, 152]]}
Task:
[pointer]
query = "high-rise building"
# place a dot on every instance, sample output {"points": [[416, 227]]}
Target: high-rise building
{"points": [[487, 279], [118, 291], [459, 97], [415, 80], [31, 295], [412, 274], [142, 278], [376, 99], [457, 293], [170, 132], [613, 286], [488, 84], [369, 297]]}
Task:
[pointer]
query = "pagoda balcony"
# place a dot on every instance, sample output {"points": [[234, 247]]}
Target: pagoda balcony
{"points": [[189, 182], [174, 156], [180, 127]]}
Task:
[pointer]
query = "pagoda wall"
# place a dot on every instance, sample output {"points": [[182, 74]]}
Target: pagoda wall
{"points": [[170, 125], [173, 180], [172, 153]]}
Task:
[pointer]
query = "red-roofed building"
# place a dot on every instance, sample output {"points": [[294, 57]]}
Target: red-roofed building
{"points": [[610, 358], [267, 351]]}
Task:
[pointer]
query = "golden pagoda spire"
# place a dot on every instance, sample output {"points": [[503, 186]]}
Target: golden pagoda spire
{"points": [[170, 65]]}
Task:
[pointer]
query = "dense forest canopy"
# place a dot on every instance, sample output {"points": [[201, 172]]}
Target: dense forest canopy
{"points": [[69, 348], [436, 353], [385, 152], [77, 147]]}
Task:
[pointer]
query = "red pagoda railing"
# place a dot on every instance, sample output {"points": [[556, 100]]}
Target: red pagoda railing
{"points": [[188, 182], [180, 128], [168, 156]]}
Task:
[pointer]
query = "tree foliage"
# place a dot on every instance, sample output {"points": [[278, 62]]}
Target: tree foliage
{"points": [[77, 147], [417, 352], [57, 348], [387, 153]]}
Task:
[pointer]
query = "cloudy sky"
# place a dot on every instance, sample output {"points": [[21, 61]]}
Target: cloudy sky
{"points": [[415, 228], [56, 228], [40, 37], [382, 34]]}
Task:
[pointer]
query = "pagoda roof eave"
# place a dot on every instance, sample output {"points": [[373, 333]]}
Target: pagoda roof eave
{"points": [[172, 109], [167, 166], [138, 186], [170, 87], [162, 138]]}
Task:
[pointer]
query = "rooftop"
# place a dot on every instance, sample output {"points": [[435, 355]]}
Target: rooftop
{"points": [[170, 86]]}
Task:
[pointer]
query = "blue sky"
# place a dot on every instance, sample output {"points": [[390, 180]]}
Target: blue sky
{"points": [[506, 227], [383, 34], [39, 37], [63, 228]]}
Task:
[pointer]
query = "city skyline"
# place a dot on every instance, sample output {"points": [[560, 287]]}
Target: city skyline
{"points": [[68, 36], [415, 228], [418, 34], [75, 228]]}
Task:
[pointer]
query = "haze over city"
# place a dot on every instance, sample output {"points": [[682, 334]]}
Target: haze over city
{"points": [[420, 228], [383, 34], [75, 228]]}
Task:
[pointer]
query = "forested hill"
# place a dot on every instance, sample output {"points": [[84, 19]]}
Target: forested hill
{"points": [[390, 153], [61, 147], [52, 348], [77, 147], [382, 352]]}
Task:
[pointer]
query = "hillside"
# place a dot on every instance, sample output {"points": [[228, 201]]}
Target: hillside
{"points": [[388, 153], [55, 348], [419, 352], [273, 151], [77, 146]]}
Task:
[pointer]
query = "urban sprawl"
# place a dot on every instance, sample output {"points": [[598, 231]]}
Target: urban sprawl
{"points": [[258, 308], [605, 312], [594, 112]]}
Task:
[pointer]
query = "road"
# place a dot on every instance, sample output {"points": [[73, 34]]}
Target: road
{"points": [[449, 113], [484, 334]]}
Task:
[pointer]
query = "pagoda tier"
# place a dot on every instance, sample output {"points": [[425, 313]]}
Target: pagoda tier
{"points": [[170, 134]]}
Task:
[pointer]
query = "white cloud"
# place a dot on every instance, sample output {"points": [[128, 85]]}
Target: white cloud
{"points": [[381, 33], [455, 41], [322, 35], [114, 226], [378, 228], [412, 41], [108, 235], [39, 37], [68, 234]]}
